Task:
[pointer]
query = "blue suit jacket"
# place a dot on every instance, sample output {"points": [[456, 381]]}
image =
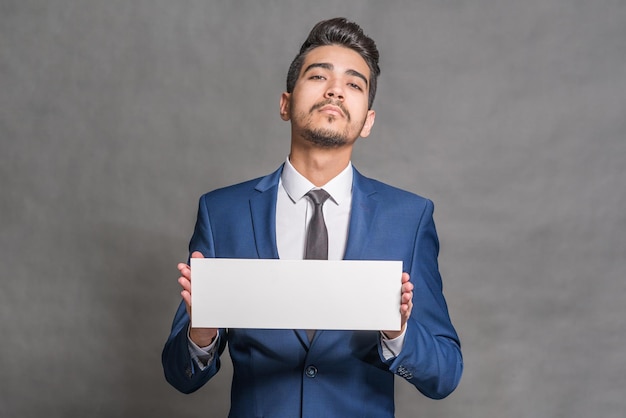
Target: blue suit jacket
{"points": [[278, 373]]}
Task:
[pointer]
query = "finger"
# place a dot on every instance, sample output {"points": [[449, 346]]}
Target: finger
{"points": [[185, 273], [407, 292], [409, 308], [185, 283], [187, 298], [407, 286], [185, 280], [195, 254], [406, 298], [181, 266], [405, 310], [407, 289]]}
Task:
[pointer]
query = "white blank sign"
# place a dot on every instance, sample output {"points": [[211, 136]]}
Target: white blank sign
{"points": [[296, 294]]}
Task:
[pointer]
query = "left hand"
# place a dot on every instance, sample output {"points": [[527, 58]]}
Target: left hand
{"points": [[406, 306]]}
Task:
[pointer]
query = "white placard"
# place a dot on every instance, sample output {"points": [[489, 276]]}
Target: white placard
{"points": [[296, 294]]}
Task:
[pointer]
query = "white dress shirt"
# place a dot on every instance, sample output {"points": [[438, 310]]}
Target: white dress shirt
{"points": [[293, 212]]}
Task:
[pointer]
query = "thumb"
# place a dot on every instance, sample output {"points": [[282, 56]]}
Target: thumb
{"points": [[197, 254]]}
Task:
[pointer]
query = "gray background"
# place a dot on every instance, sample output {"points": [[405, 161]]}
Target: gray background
{"points": [[116, 115]]}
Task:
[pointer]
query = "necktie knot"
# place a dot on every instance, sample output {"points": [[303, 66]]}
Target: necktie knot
{"points": [[318, 196]]}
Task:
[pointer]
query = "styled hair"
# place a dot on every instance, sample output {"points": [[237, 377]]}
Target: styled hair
{"points": [[338, 31]]}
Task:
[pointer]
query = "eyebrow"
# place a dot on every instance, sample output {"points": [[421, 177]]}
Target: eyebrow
{"points": [[330, 67]]}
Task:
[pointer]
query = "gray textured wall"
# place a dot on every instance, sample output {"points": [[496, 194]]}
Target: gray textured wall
{"points": [[116, 115]]}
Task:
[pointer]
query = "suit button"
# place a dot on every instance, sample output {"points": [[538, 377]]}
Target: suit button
{"points": [[311, 371], [402, 371]]}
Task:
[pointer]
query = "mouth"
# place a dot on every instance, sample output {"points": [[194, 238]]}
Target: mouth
{"points": [[332, 110]]}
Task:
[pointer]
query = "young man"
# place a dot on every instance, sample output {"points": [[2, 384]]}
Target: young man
{"points": [[331, 85]]}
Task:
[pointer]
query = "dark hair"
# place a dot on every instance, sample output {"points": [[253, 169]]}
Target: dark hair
{"points": [[338, 31]]}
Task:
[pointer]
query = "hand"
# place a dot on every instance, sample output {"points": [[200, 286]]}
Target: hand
{"points": [[406, 306], [200, 336]]}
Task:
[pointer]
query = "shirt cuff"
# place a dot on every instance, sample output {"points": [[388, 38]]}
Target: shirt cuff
{"points": [[203, 356], [392, 347]]}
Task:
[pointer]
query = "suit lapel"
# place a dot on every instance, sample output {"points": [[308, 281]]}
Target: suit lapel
{"points": [[362, 214], [304, 339], [263, 212]]}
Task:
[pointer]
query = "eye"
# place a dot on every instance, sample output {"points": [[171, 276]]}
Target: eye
{"points": [[355, 86], [317, 77]]}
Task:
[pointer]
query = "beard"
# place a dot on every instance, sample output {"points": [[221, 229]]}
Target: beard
{"points": [[325, 138]]}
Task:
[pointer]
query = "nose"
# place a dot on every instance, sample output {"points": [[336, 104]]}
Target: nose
{"points": [[334, 91]]}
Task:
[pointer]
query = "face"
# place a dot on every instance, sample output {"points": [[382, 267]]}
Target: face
{"points": [[328, 105]]}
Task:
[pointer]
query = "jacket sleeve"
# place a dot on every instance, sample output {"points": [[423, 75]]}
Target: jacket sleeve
{"points": [[431, 357], [181, 371]]}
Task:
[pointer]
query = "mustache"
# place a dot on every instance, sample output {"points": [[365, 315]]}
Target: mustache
{"points": [[332, 103]]}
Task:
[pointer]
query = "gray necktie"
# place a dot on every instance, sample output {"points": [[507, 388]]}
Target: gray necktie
{"points": [[317, 234]]}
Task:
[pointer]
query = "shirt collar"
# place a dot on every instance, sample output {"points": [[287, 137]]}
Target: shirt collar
{"points": [[296, 185]]}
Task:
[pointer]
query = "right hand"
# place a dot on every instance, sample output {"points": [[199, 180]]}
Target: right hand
{"points": [[202, 337]]}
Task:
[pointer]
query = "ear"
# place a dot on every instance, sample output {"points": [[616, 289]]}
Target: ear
{"points": [[369, 122], [285, 106]]}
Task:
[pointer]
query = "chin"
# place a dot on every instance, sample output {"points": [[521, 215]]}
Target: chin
{"points": [[326, 138]]}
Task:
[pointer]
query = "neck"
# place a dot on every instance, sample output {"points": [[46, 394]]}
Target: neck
{"points": [[318, 165]]}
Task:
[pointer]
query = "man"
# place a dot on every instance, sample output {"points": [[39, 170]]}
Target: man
{"points": [[331, 85]]}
